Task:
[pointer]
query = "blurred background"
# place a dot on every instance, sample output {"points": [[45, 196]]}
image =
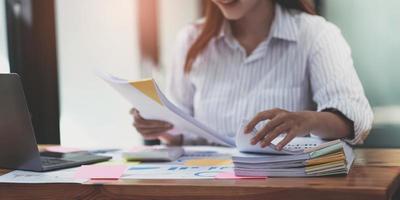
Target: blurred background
{"points": [[56, 45]]}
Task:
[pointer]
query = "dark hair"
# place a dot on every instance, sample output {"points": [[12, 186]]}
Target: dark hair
{"points": [[214, 19]]}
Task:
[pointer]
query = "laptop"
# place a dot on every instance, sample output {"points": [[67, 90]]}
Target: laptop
{"points": [[18, 147]]}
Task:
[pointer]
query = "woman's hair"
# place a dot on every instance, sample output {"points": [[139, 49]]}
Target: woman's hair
{"points": [[213, 22]]}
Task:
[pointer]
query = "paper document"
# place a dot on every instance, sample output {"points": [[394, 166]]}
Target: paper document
{"points": [[198, 162], [147, 171], [335, 157], [60, 176], [298, 145], [100, 172], [145, 96]]}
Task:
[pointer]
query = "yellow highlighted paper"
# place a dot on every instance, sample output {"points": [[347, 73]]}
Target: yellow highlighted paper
{"points": [[208, 162], [325, 166], [326, 159], [148, 88]]}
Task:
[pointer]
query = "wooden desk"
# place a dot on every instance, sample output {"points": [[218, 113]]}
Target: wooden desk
{"points": [[375, 176]]}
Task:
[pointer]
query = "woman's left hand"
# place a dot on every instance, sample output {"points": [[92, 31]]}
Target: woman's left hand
{"points": [[281, 121]]}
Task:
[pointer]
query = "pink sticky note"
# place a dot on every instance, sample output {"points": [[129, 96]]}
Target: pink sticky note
{"points": [[60, 149], [231, 175], [104, 172]]}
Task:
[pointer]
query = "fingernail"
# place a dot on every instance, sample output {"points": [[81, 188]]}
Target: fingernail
{"points": [[168, 125], [253, 141], [263, 145]]}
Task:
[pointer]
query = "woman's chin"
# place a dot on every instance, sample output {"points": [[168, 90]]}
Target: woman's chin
{"points": [[233, 16]]}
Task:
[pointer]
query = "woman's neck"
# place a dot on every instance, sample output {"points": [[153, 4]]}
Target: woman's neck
{"points": [[254, 27]]}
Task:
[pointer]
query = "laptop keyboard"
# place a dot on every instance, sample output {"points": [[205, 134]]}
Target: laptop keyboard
{"points": [[47, 161]]}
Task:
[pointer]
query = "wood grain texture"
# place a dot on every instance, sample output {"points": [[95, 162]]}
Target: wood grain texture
{"points": [[375, 176]]}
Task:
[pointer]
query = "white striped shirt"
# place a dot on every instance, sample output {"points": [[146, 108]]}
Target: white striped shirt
{"points": [[304, 64]]}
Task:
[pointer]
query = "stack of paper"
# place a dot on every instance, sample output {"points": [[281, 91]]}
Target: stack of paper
{"points": [[335, 157], [303, 156]]}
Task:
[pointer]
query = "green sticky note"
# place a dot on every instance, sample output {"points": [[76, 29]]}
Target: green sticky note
{"points": [[327, 150]]}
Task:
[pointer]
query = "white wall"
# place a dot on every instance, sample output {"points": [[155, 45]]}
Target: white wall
{"points": [[103, 34], [4, 68], [96, 34], [375, 43], [174, 15]]}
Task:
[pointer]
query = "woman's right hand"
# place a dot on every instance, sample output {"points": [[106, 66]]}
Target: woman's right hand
{"points": [[155, 129]]}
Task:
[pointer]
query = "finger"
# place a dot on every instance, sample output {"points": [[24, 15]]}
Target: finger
{"points": [[270, 126], [138, 118], [259, 136], [160, 135], [152, 124], [274, 122], [136, 114], [140, 121], [289, 137], [273, 134], [152, 136], [261, 116], [131, 111], [149, 132]]}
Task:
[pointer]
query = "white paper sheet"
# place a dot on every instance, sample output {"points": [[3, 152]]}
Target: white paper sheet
{"points": [[296, 146], [60, 176], [174, 172], [151, 109], [178, 169]]}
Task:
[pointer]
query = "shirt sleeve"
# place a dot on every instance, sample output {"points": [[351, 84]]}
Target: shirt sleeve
{"points": [[335, 84], [180, 91]]}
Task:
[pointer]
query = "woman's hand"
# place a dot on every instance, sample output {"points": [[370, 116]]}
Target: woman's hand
{"points": [[281, 121], [154, 129], [326, 125]]}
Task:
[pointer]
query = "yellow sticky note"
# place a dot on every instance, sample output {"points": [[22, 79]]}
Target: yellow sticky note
{"points": [[208, 162], [326, 159], [148, 88]]}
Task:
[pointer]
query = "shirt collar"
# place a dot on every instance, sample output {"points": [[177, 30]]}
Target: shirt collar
{"points": [[226, 34], [225, 29], [283, 27]]}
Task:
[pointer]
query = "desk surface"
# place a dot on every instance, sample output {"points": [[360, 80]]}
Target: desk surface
{"points": [[375, 175]]}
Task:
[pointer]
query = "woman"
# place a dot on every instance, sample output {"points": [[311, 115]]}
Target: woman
{"points": [[265, 60]]}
